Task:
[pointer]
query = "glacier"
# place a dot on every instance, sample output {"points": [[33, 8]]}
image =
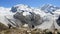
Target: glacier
{"points": [[41, 18]]}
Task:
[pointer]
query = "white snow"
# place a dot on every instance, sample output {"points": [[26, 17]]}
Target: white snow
{"points": [[26, 13]]}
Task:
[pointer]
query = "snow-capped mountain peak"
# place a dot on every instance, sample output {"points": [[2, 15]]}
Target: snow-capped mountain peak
{"points": [[49, 8], [20, 7]]}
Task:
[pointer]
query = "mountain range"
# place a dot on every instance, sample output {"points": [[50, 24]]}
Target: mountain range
{"points": [[47, 12]]}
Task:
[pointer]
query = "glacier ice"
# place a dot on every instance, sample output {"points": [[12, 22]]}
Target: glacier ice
{"points": [[21, 14]]}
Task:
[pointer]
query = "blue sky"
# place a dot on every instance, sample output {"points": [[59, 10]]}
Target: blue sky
{"points": [[32, 3]]}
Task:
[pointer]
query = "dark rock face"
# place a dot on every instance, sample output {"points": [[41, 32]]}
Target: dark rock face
{"points": [[14, 9], [28, 19], [58, 21]]}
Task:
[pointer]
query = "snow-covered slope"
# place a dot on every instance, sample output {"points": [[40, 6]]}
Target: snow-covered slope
{"points": [[57, 12], [4, 12]]}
